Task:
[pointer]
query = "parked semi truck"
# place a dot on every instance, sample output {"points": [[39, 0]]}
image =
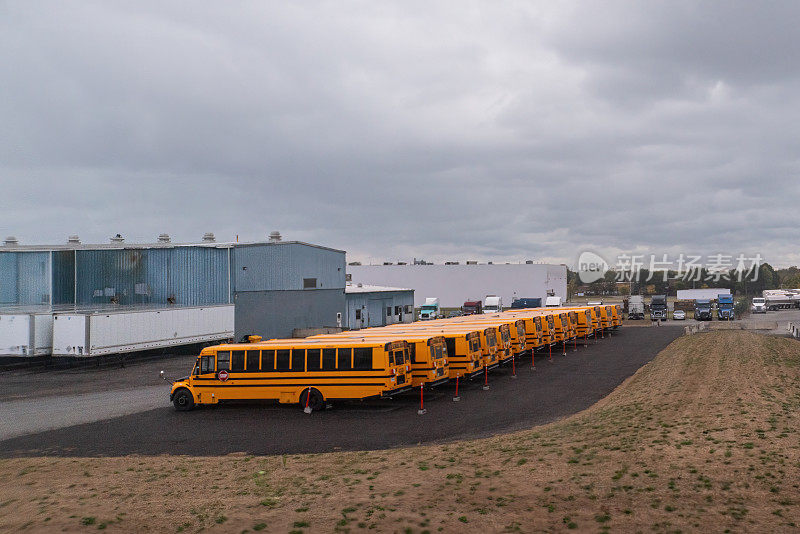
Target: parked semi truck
{"points": [[636, 307], [778, 299], [702, 309], [492, 304], [552, 302], [725, 307], [658, 308], [759, 305], [522, 303], [430, 310], [472, 307]]}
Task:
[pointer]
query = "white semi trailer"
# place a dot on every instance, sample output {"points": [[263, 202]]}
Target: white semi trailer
{"points": [[110, 332]]}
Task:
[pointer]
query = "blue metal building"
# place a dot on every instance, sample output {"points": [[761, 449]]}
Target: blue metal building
{"points": [[276, 286]]}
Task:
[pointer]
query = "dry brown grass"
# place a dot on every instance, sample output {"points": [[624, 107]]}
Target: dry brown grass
{"points": [[704, 437]]}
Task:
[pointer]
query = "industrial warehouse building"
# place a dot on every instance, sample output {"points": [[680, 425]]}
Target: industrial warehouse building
{"points": [[453, 284], [378, 306], [82, 300]]}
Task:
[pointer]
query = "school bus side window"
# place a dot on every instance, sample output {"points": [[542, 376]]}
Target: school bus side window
{"points": [[313, 358], [344, 357], [362, 359], [328, 359], [282, 360], [237, 360], [223, 360], [267, 361], [298, 360], [252, 361], [206, 364]]}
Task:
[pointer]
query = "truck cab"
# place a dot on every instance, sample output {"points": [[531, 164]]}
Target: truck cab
{"points": [[636, 307], [658, 308], [725, 307], [702, 310], [759, 305], [492, 304], [430, 310], [552, 302], [472, 307]]}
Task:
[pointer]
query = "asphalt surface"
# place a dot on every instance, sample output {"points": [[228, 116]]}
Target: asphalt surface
{"points": [[554, 390]]}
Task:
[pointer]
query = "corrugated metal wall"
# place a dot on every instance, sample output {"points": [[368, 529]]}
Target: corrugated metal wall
{"points": [[24, 278], [270, 267], [182, 276]]}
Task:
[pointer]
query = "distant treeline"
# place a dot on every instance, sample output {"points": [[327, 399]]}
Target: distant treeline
{"points": [[768, 278]]}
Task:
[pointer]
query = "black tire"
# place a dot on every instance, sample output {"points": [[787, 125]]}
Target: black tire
{"points": [[316, 402], [183, 400]]}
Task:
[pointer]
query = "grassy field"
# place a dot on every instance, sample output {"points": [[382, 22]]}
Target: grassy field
{"points": [[705, 436]]}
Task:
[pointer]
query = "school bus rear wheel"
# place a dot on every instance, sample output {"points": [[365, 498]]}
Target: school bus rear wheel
{"points": [[183, 400], [315, 401]]}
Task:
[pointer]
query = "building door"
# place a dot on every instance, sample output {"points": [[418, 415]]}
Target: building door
{"points": [[376, 315]]}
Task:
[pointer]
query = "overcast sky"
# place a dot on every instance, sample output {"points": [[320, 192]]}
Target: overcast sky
{"points": [[455, 130]]}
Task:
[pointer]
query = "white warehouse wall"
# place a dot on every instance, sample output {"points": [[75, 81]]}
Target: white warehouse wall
{"points": [[454, 284]]}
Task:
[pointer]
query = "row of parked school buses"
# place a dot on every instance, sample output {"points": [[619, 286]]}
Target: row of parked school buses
{"points": [[384, 361]]}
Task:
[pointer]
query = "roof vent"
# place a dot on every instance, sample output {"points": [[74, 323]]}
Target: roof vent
{"points": [[528, 262], [360, 284], [208, 237], [274, 236], [117, 239], [163, 238], [11, 241], [73, 240]]}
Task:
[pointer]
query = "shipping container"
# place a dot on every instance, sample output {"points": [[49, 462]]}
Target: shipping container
{"points": [[26, 334], [100, 333]]}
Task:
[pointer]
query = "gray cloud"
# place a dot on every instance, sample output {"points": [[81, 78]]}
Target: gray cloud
{"points": [[444, 131]]}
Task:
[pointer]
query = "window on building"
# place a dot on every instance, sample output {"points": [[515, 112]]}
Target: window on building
{"points": [[223, 360], [313, 359], [237, 360], [344, 357], [281, 360], [309, 283], [252, 360], [267, 360], [298, 360], [362, 359], [348, 277], [388, 311], [409, 308], [397, 310], [328, 359], [358, 314]]}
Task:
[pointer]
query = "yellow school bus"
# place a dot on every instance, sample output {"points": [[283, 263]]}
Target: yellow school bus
{"points": [[533, 328], [464, 352], [301, 371], [488, 337], [428, 352], [605, 317], [514, 335], [508, 343], [545, 326]]}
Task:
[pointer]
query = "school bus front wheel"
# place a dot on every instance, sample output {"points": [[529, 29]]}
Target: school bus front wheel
{"points": [[183, 400]]}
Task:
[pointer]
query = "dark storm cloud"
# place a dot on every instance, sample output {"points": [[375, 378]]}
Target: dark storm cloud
{"points": [[437, 130]]}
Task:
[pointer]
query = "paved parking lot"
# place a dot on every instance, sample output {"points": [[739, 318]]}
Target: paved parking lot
{"points": [[556, 389]]}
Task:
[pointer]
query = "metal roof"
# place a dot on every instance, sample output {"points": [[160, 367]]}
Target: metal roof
{"points": [[363, 288], [126, 246]]}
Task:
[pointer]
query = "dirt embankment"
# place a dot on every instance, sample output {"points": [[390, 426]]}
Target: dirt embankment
{"points": [[705, 436]]}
